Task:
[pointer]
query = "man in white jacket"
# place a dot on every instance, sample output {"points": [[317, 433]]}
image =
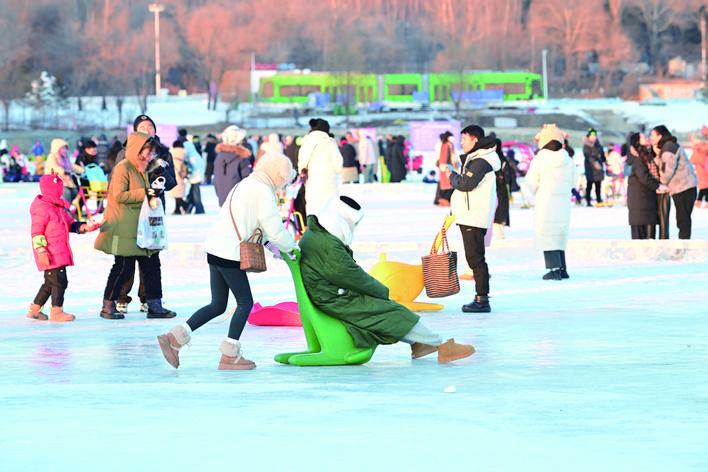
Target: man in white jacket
{"points": [[473, 204]]}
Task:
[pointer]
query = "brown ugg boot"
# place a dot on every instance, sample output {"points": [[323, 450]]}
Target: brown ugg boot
{"points": [[451, 351], [173, 341], [231, 358], [420, 350], [57, 314], [35, 313]]}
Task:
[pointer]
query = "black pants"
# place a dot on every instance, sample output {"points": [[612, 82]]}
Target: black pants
{"points": [[124, 296], [223, 280], [643, 231], [473, 242], [598, 191], [684, 207], [55, 283], [702, 195], [664, 204], [122, 269]]}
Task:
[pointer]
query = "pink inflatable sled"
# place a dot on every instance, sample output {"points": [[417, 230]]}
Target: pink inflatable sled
{"points": [[281, 314]]}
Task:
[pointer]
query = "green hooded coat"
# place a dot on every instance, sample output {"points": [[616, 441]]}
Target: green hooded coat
{"points": [[126, 192], [370, 317]]}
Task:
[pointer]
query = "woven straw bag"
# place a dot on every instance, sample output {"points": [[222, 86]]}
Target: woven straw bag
{"points": [[252, 251], [440, 270]]}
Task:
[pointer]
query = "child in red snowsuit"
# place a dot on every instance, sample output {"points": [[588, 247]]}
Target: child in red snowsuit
{"points": [[51, 224]]}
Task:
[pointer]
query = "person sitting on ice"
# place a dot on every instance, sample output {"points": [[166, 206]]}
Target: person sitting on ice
{"points": [[339, 287]]}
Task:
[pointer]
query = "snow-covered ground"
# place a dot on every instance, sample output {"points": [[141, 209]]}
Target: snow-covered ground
{"points": [[604, 371]]}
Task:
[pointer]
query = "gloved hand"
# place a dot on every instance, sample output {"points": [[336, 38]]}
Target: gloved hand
{"points": [[43, 256], [292, 255], [274, 249], [153, 192]]}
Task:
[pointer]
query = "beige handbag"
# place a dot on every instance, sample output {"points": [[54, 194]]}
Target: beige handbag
{"points": [[252, 251]]}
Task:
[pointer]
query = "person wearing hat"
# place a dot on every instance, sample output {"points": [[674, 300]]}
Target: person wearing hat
{"points": [[321, 162], [339, 287], [88, 155], [550, 177], [232, 163], [594, 165], [59, 163], [162, 165]]}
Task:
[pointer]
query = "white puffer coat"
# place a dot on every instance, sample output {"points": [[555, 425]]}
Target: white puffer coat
{"points": [[476, 207], [550, 177], [320, 154], [254, 205]]}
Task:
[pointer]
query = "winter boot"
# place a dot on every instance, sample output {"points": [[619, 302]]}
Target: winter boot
{"points": [[110, 312], [564, 271], [451, 351], [122, 307], [420, 350], [156, 310], [144, 307], [57, 314], [553, 262], [231, 358], [479, 305], [35, 312], [173, 341]]}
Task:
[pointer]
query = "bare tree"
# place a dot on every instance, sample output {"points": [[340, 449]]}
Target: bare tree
{"points": [[14, 55]]}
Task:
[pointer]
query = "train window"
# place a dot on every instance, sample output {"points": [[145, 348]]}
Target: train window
{"points": [[308, 89], [509, 89], [290, 91], [402, 89], [267, 89]]}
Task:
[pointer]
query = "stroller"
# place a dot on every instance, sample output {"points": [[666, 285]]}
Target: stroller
{"points": [[93, 186]]}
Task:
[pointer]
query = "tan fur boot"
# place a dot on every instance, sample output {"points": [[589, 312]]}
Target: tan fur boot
{"points": [[451, 351], [173, 341], [35, 313], [231, 358], [57, 314], [420, 350]]}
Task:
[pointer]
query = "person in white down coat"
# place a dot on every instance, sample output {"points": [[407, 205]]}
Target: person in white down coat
{"points": [[319, 158], [550, 177]]}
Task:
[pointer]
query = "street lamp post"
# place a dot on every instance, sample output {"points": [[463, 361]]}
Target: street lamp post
{"points": [[156, 9], [544, 60]]}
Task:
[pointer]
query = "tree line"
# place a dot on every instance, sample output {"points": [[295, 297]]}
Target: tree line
{"points": [[107, 47]]}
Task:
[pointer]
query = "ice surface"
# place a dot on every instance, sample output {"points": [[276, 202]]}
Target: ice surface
{"points": [[605, 371]]}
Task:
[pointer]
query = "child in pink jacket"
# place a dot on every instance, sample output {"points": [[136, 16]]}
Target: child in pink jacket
{"points": [[51, 224]]}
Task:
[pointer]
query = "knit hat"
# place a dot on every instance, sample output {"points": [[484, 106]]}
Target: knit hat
{"points": [[592, 131], [233, 135], [318, 124], [89, 144], [550, 132], [142, 118]]}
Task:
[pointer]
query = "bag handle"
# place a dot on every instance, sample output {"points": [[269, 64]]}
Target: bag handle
{"points": [[255, 239], [444, 246]]}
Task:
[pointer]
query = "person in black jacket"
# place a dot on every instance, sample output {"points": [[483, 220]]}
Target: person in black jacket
{"points": [[210, 150], [594, 165], [398, 160], [641, 190]]}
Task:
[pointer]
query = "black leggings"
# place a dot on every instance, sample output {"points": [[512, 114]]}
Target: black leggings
{"points": [[55, 283], [223, 280]]}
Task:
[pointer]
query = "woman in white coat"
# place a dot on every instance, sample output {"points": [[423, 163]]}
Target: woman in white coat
{"points": [[251, 205], [319, 158], [550, 177]]}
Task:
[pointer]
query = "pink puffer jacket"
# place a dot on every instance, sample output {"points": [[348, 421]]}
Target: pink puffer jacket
{"points": [[50, 219]]}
